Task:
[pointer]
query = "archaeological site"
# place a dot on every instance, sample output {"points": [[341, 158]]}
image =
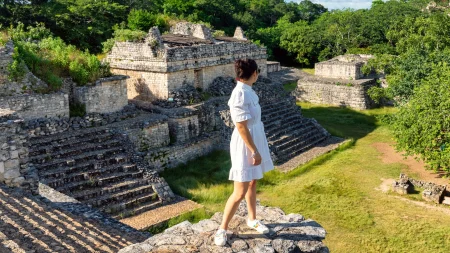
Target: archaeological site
{"points": [[165, 105]]}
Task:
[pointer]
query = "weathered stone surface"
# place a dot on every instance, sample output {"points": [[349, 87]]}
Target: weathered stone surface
{"points": [[403, 186], [295, 235]]}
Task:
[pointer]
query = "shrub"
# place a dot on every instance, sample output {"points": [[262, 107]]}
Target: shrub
{"points": [[140, 20], [422, 126], [77, 109], [121, 35], [51, 58], [17, 68]]}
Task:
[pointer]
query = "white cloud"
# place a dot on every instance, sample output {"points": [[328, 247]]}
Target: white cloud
{"points": [[341, 4]]}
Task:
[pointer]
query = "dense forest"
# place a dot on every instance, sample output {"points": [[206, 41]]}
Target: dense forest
{"points": [[410, 39]]}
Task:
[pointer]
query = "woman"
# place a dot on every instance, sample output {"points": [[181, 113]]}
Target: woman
{"points": [[250, 155]]}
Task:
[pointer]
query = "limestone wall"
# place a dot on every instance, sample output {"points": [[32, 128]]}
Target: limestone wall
{"points": [[184, 129], [273, 66], [14, 168], [177, 79], [107, 96], [172, 156], [150, 136], [342, 70], [36, 106], [139, 56], [352, 93]]}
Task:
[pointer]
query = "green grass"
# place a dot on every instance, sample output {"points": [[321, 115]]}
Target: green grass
{"points": [[310, 71], [290, 86], [337, 190]]}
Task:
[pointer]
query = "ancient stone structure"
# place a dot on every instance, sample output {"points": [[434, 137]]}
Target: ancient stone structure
{"points": [[106, 96], [273, 66], [24, 84], [289, 233], [14, 168], [339, 82], [432, 192], [189, 55], [37, 106]]}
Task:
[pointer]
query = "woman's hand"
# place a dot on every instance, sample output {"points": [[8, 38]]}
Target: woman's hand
{"points": [[257, 159]]}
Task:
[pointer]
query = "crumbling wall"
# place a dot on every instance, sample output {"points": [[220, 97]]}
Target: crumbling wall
{"points": [[106, 96], [352, 93], [14, 168], [37, 106]]}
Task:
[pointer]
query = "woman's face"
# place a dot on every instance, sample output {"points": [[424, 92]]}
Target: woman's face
{"points": [[255, 75]]}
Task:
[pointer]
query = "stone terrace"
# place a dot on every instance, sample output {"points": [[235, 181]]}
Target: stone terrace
{"points": [[35, 224]]}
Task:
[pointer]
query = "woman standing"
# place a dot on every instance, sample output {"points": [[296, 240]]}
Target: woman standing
{"points": [[250, 155]]}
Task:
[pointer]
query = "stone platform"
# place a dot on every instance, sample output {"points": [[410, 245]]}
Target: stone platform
{"points": [[289, 233]]}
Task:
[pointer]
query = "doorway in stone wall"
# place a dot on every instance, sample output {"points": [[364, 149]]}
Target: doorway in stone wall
{"points": [[198, 78]]}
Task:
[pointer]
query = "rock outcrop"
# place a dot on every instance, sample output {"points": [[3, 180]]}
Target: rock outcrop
{"points": [[288, 233]]}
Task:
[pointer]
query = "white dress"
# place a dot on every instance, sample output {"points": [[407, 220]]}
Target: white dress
{"points": [[244, 105]]}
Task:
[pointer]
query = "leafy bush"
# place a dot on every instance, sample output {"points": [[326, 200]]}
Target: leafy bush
{"points": [[51, 58], [121, 34], [422, 126], [17, 68], [4, 37], [140, 20], [77, 110]]}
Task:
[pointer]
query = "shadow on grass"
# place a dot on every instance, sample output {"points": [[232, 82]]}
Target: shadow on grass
{"points": [[341, 121]]}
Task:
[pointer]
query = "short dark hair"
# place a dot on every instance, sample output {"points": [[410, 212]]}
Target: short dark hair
{"points": [[245, 68]]}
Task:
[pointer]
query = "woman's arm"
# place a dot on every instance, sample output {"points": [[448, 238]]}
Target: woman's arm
{"points": [[246, 136]]}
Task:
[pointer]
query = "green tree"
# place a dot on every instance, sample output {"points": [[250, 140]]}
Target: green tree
{"points": [[422, 125]]}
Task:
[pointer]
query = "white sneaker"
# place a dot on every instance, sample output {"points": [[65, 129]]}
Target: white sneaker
{"points": [[220, 238], [257, 224]]}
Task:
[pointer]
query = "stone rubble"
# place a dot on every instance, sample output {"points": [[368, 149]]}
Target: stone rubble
{"points": [[289, 233]]}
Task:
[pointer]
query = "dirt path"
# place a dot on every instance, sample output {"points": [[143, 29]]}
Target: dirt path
{"points": [[145, 220], [389, 155]]}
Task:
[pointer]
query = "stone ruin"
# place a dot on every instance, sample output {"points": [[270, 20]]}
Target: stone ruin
{"points": [[431, 192], [338, 82], [109, 160], [288, 233], [189, 55]]}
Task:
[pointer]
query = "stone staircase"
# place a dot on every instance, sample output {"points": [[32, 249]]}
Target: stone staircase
{"points": [[97, 167], [288, 132]]}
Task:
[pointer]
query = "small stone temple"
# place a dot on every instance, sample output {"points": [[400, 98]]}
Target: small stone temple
{"points": [[188, 55], [339, 81]]}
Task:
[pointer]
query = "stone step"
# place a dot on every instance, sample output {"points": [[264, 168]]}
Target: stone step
{"points": [[144, 207], [266, 107], [115, 198], [297, 124], [85, 195], [95, 155], [73, 151], [84, 167], [293, 151], [276, 113], [298, 143], [87, 175], [45, 149], [98, 182], [66, 136], [131, 204], [299, 134], [283, 121]]}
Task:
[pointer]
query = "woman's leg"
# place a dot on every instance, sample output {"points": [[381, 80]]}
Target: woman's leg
{"points": [[250, 197], [240, 189]]}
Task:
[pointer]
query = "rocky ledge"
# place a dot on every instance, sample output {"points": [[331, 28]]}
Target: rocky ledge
{"points": [[288, 233]]}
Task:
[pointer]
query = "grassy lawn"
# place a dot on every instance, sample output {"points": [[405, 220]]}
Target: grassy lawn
{"points": [[310, 71], [337, 190]]}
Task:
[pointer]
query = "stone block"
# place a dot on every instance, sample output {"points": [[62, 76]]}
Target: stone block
{"points": [[10, 174], [403, 186], [2, 167], [18, 181], [434, 193], [12, 164], [14, 154]]}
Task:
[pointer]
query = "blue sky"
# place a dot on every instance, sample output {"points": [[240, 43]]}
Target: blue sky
{"points": [[339, 4]]}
